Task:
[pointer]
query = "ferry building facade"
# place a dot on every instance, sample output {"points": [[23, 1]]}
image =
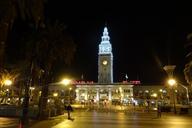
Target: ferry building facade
{"points": [[105, 89]]}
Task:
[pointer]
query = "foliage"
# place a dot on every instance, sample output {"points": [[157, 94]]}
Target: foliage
{"points": [[188, 73], [44, 46], [31, 11], [188, 65], [54, 45]]}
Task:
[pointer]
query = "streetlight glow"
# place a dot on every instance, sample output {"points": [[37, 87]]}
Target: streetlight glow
{"points": [[66, 82], [7, 82], [171, 82]]}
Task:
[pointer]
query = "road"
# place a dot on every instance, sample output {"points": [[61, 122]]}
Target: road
{"points": [[119, 119]]}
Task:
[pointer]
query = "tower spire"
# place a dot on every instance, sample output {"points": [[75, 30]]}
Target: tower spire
{"points": [[105, 59], [105, 37]]}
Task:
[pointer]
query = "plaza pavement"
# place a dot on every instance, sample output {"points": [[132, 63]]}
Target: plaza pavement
{"points": [[88, 118]]}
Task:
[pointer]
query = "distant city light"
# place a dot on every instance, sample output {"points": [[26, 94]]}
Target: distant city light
{"points": [[154, 95], [32, 88], [55, 94]]}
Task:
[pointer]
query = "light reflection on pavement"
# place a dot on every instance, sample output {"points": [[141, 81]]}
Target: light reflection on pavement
{"points": [[121, 120], [96, 119], [8, 122]]}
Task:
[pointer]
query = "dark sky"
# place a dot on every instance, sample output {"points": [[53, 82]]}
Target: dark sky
{"points": [[144, 38]]}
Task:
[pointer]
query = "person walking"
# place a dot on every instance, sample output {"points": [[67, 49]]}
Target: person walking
{"points": [[159, 111], [69, 109]]}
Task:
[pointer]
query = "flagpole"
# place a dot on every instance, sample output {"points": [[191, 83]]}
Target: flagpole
{"points": [[126, 77]]}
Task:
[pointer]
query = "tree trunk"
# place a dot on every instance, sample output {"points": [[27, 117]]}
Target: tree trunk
{"points": [[24, 118], [43, 99], [3, 38]]}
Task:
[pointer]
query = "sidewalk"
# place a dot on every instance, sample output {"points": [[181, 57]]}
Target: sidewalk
{"points": [[52, 121]]}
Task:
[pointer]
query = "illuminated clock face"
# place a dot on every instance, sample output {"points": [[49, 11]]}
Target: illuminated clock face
{"points": [[105, 62]]}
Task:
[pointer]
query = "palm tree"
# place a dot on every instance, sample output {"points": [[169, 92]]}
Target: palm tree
{"points": [[48, 45], [45, 48], [7, 16], [188, 66], [54, 45], [31, 11]]}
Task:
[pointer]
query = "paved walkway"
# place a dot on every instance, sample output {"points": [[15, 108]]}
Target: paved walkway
{"points": [[117, 119]]}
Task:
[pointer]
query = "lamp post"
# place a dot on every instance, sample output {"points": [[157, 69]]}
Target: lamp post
{"points": [[169, 69], [172, 83], [66, 82], [6, 82]]}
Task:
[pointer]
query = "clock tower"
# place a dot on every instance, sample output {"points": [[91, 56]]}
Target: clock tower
{"points": [[105, 59]]}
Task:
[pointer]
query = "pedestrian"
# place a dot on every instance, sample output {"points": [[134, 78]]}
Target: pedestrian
{"points": [[147, 105], [159, 111], [134, 105], [69, 109]]}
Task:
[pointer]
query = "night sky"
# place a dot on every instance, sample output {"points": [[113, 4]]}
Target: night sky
{"points": [[144, 38]]}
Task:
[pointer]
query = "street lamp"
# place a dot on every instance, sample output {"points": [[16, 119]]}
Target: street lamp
{"points": [[7, 82], [172, 83], [66, 82]]}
